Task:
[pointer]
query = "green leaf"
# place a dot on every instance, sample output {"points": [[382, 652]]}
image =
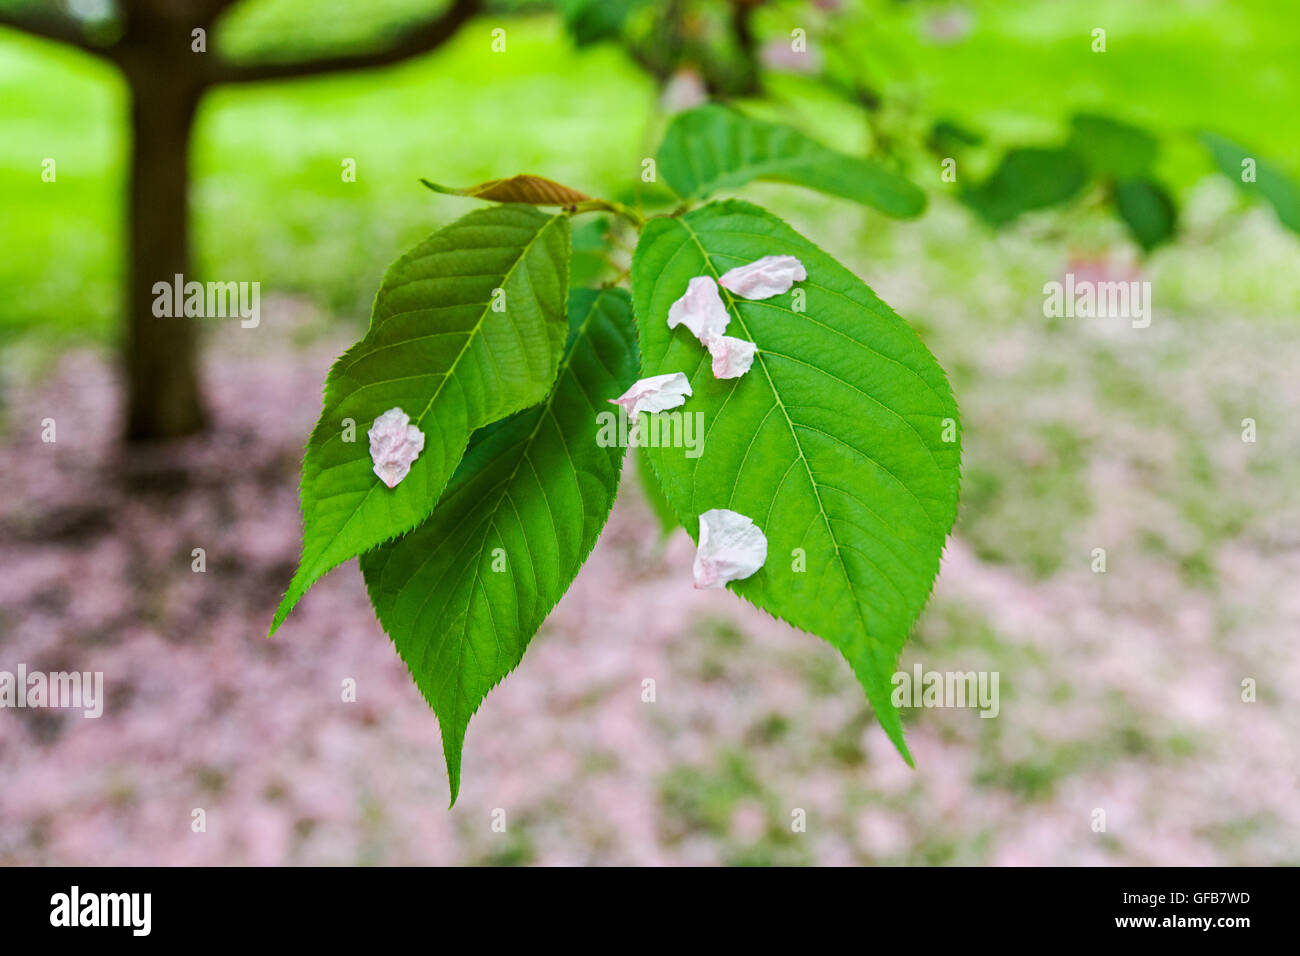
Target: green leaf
{"points": [[1028, 178], [947, 138], [439, 349], [711, 148], [1148, 211], [1111, 149], [590, 264], [1270, 183], [462, 595], [832, 442]]}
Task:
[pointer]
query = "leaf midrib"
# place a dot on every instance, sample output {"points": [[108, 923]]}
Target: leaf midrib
{"points": [[446, 375], [803, 317], [324, 548], [807, 153], [812, 481], [500, 491]]}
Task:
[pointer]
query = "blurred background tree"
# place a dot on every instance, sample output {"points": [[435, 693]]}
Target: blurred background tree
{"points": [[161, 48]]}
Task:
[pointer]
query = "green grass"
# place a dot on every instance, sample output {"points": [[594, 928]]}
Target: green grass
{"points": [[269, 200], [1170, 66], [701, 802], [270, 204]]}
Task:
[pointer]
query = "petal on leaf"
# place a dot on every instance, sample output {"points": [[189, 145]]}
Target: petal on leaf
{"points": [[467, 328], [765, 277], [394, 444], [732, 357], [700, 309], [463, 594], [731, 548], [834, 442], [657, 393]]}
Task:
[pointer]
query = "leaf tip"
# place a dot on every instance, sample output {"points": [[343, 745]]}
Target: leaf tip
{"points": [[287, 604], [906, 755], [452, 744], [891, 723], [276, 621]]}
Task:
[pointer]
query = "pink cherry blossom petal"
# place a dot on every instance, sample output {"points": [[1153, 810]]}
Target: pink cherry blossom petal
{"points": [[655, 394], [765, 277], [394, 445], [731, 547], [732, 357], [700, 309]]}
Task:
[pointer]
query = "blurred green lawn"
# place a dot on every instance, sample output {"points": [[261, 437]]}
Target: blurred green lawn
{"points": [[270, 203]]}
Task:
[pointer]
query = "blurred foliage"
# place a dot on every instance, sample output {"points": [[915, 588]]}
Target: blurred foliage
{"points": [[1263, 177], [1119, 157], [1100, 149], [1110, 149], [1148, 211], [1026, 179], [711, 40], [975, 80]]}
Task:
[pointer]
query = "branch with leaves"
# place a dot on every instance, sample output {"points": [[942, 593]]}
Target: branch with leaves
{"points": [[826, 483]]}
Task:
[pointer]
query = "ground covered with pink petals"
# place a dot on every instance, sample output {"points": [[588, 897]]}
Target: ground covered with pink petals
{"points": [[1120, 692]]}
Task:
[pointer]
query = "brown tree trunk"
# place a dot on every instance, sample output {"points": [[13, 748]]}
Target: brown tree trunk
{"points": [[167, 70], [160, 354]]}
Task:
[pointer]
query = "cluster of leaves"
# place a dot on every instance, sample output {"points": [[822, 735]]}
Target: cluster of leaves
{"points": [[714, 39], [842, 442], [1103, 160], [1118, 158], [1256, 177]]}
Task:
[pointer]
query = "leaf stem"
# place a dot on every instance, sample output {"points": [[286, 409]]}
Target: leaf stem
{"points": [[610, 205]]}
